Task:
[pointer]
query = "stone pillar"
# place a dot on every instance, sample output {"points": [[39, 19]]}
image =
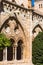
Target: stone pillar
{"points": [[15, 52], [5, 54], [31, 38], [15, 47]]}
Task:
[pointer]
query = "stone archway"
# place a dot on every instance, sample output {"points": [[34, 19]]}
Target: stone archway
{"points": [[36, 27], [12, 18], [14, 26], [1, 55], [36, 30]]}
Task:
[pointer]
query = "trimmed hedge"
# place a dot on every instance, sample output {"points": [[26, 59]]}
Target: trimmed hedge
{"points": [[38, 64], [37, 49]]}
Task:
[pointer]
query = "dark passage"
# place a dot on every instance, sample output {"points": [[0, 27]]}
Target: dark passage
{"points": [[1, 55], [18, 53], [19, 50], [10, 50], [10, 53]]}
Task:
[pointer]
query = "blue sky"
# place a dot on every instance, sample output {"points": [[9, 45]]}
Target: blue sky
{"points": [[33, 2]]}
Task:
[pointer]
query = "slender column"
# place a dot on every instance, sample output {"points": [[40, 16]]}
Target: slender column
{"points": [[15, 46], [5, 54], [31, 39]]}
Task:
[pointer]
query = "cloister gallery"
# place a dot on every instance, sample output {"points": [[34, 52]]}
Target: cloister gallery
{"points": [[21, 23]]}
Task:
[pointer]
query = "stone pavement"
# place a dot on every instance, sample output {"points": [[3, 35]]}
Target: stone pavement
{"points": [[14, 63]]}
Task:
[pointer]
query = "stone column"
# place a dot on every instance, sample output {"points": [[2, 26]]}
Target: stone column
{"points": [[31, 38], [5, 54], [15, 47], [15, 52]]}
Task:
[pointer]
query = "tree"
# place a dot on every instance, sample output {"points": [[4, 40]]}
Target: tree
{"points": [[4, 41], [37, 49]]}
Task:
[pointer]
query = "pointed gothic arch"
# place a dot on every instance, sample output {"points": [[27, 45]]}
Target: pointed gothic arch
{"points": [[36, 27], [10, 55], [12, 18], [36, 30]]}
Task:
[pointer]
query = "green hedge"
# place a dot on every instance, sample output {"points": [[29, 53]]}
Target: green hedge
{"points": [[38, 64], [37, 49]]}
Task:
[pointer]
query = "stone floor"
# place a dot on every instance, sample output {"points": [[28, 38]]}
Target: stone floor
{"points": [[14, 63]]}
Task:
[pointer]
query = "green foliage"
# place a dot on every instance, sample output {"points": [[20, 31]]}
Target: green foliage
{"points": [[37, 49], [38, 64], [4, 41]]}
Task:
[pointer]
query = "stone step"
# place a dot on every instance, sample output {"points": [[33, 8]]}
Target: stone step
{"points": [[17, 64]]}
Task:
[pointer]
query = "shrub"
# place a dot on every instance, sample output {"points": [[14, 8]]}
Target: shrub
{"points": [[4, 41], [37, 49]]}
